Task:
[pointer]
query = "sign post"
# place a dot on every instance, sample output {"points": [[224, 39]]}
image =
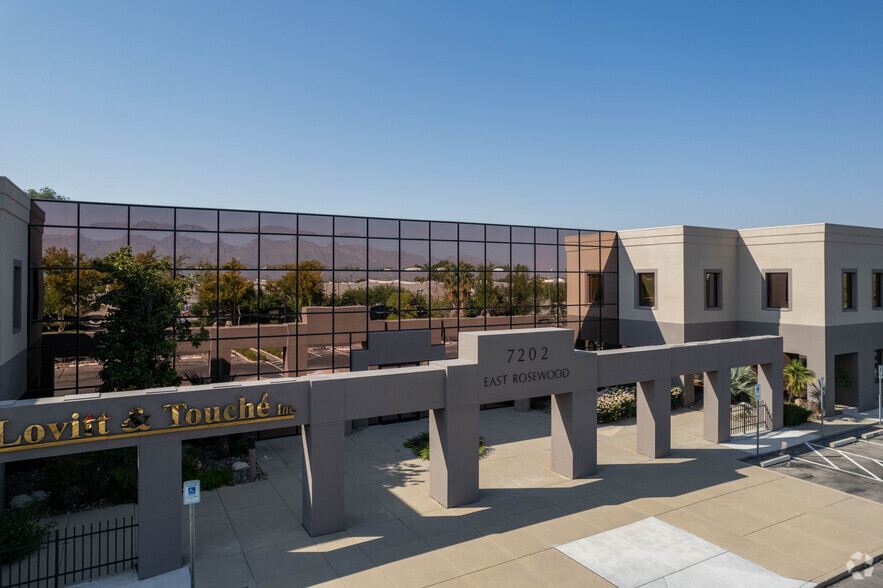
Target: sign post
{"points": [[880, 394], [822, 407], [191, 497], [757, 408]]}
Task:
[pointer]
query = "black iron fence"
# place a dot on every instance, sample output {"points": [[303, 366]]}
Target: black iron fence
{"points": [[75, 554], [743, 418]]}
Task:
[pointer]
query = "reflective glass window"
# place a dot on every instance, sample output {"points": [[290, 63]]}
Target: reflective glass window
{"points": [[151, 217], [104, 215]]}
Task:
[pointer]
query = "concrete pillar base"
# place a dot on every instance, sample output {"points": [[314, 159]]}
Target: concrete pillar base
{"points": [[160, 506], [575, 434], [323, 478], [654, 417], [716, 414]]}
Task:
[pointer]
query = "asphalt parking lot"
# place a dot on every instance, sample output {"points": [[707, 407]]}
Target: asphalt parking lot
{"points": [[856, 468]]}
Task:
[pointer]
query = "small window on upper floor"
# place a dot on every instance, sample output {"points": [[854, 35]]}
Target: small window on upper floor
{"points": [[877, 290], [712, 289], [777, 295], [848, 290], [647, 289], [593, 288]]}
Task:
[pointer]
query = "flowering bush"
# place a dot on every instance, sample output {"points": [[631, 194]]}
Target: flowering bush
{"points": [[619, 403]]}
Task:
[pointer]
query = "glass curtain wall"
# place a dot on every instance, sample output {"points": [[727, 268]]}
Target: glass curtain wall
{"points": [[292, 294]]}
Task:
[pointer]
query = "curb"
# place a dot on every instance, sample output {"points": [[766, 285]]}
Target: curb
{"points": [[842, 442], [775, 461]]}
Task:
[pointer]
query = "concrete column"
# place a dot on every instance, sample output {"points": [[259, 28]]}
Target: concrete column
{"points": [[453, 439], [323, 443], [323, 479], [160, 506], [654, 417], [575, 422], [866, 382], [689, 391], [769, 376], [716, 406], [575, 433]]}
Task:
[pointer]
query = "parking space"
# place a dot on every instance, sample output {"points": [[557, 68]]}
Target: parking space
{"points": [[856, 468]]}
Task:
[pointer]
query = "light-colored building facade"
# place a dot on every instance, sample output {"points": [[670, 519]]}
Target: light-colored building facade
{"points": [[818, 286], [15, 209]]}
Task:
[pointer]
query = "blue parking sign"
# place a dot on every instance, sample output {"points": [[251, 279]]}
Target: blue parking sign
{"points": [[191, 492]]}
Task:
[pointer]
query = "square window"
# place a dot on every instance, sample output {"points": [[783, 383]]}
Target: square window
{"points": [[647, 289], [712, 289], [777, 295], [848, 290]]}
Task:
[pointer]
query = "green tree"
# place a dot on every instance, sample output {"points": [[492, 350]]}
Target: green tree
{"points": [[486, 294], [299, 287], [226, 293], [797, 379], [141, 330], [518, 291], [65, 293], [46, 193]]}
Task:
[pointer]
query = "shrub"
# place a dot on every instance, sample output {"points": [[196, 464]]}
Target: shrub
{"points": [[214, 478], [615, 404], [677, 397], [21, 530], [190, 463], [89, 477], [419, 445], [621, 403], [795, 415], [239, 448]]}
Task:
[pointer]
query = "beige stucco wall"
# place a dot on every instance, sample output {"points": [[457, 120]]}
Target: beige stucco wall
{"points": [[852, 248], [660, 250], [799, 249], [705, 250], [14, 215]]}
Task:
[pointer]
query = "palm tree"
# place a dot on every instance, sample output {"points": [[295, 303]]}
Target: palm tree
{"points": [[797, 378], [742, 383]]}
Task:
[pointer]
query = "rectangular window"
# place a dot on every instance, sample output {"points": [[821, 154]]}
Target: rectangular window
{"points": [[877, 285], [16, 296], [777, 290], [848, 290], [647, 289], [712, 290], [593, 288]]}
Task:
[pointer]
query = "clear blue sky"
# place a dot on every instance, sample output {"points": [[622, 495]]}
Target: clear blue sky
{"points": [[597, 115]]}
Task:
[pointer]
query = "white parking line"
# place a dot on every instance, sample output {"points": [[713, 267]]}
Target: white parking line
{"points": [[832, 466]]}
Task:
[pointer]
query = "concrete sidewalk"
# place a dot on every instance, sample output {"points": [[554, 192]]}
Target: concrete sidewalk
{"points": [[778, 441], [397, 535]]}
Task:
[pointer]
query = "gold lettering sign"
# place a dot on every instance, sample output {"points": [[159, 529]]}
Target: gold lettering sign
{"points": [[137, 423]]}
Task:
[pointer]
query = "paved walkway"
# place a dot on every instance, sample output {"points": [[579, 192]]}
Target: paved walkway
{"points": [[397, 535], [776, 441]]}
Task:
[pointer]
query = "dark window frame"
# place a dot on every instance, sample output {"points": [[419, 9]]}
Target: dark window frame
{"points": [[639, 300], [17, 295], [877, 288], [599, 293], [848, 288], [789, 303], [718, 289]]}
